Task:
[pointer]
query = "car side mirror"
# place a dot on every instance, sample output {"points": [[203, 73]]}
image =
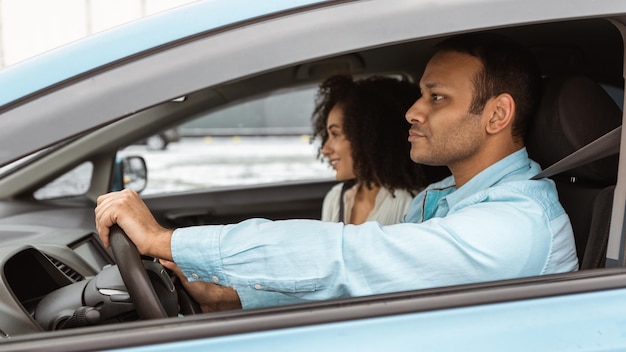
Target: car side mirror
{"points": [[130, 172]]}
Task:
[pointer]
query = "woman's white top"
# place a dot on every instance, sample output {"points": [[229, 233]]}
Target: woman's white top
{"points": [[388, 210]]}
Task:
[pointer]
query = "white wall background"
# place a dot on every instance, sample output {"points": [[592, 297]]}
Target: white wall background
{"points": [[30, 27]]}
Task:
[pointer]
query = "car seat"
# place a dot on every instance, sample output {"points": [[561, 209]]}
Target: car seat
{"points": [[575, 111]]}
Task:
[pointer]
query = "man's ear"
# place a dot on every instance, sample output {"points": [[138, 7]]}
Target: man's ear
{"points": [[502, 112]]}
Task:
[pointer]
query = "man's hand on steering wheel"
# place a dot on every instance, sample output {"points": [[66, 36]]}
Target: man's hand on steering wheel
{"points": [[126, 209]]}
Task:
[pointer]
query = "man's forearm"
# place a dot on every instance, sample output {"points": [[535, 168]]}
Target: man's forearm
{"points": [[224, 298]]}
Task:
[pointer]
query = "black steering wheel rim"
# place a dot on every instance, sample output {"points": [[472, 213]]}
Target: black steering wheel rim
{"points": [[134, 275]]}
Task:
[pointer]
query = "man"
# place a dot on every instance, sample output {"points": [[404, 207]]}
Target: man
{"points": [[487, 221]]}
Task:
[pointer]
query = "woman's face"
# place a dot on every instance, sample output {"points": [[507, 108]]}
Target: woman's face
{"points": [[337, 147]]}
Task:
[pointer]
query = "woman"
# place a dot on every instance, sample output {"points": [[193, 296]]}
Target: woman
{"points": [[364, 134]]}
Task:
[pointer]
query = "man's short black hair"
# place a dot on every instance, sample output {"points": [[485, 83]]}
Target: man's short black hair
{"points": [[508, 67]]}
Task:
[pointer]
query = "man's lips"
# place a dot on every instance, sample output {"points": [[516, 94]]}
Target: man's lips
{"points": [[415, 134]]}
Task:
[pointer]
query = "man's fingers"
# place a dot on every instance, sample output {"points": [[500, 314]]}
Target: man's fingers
{"points": [[104, 237], [105, 216]]}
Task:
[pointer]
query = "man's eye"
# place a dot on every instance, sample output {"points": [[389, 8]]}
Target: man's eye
{"points": [[436, 97]]}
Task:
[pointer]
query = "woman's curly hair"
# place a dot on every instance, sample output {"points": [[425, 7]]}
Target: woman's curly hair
{"points": [[374, 123]]}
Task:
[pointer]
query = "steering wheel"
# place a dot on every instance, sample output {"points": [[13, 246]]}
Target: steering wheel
{"points": [[134, 275]]}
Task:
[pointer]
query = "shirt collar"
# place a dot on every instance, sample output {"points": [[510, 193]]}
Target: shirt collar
{"points": [[517, 161]]}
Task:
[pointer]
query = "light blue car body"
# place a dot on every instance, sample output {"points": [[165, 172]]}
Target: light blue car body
{"points": [[582, 322]]}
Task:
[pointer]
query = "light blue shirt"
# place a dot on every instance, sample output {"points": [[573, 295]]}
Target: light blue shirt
{"points": [[500, 225]]}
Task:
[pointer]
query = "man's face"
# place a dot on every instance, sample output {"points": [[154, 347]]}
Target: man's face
{"points": [[443, 132]]}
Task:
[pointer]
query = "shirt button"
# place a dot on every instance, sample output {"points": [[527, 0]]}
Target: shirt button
{"points": [[195, 276], [258, 286], [215, 279]]}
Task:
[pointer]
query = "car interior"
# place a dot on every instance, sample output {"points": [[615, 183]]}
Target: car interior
{"points": [[590, 48], [582, 63], [576, 111]]}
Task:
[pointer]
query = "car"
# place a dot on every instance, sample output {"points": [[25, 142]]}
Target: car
{"points": [[61, 290], [160, 140]]}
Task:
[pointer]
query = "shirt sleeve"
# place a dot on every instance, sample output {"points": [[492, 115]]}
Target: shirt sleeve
{"points": [[292, 261]]}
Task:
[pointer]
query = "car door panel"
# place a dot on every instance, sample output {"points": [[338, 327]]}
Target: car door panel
{"points": [[302, 200]]}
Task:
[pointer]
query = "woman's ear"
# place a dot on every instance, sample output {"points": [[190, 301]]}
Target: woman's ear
{"points": [[502, 109]]}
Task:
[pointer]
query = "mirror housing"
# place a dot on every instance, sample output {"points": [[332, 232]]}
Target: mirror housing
{"points": [[130, 172]]}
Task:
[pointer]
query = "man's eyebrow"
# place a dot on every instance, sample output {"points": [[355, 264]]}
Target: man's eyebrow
{"points": [[431, 85]]}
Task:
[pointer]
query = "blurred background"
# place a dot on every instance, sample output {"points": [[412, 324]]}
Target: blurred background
{"points": [[29, 27]]}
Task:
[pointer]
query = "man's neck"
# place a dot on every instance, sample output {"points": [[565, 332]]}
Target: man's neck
{"points": [[466, 170]]}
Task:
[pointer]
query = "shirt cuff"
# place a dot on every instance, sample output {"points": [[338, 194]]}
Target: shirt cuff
{"points": [[196, 251]]}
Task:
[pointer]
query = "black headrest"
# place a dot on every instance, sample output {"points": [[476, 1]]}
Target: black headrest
{"points": [[574, 111]]}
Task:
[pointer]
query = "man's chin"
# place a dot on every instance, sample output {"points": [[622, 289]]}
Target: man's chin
{"points": [[420, 159], [424, 160]]}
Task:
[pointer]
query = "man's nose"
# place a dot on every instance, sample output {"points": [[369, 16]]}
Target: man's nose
{"points": [[416, 113]]}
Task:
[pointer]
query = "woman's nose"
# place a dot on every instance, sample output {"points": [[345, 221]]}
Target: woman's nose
{"points": [[326, 149]]}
